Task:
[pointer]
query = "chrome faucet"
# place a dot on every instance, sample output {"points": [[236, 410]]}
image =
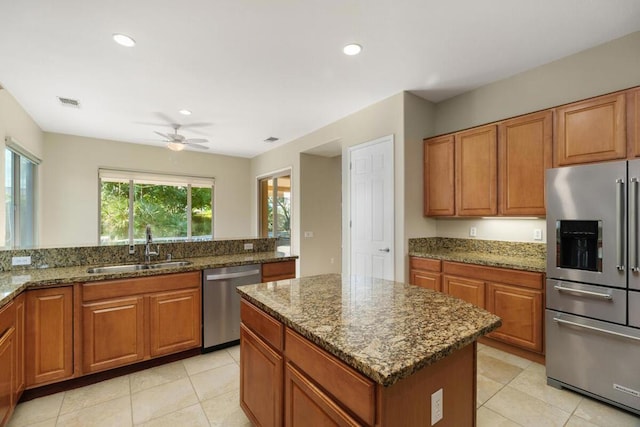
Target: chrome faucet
{"points": [[147, 247]]}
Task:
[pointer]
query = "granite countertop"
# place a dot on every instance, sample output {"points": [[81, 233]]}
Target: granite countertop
{"points": [[16, 281], [526, 263], [385, 330]]}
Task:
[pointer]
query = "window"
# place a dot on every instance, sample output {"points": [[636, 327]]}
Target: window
{"points": [[20, 197], [178, 208], [275, 209]]}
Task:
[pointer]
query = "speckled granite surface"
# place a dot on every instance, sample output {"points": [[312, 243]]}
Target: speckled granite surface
{"points": [[385, 330], [516, 255], [16, 281]]}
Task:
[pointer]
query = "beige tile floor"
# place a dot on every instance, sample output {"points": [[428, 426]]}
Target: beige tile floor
{"points": [[203, 391]]}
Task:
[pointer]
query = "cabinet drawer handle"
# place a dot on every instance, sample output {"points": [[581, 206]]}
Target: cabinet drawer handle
{"points": [[593, 328], [583, 292]]}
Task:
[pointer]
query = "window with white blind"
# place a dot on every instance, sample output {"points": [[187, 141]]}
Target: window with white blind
{"points": [[178, 208]]}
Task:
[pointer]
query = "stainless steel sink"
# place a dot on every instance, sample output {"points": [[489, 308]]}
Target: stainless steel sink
{"points": [[127, 268]]}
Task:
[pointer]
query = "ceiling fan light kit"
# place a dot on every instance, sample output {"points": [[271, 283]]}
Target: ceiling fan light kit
{"points": [[175, 146], [177, 142]]}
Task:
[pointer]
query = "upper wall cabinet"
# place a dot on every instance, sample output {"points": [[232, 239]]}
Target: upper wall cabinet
{"points": [[633, 122], [476, 177], [591, 130], [525, 151], [439, 161]]}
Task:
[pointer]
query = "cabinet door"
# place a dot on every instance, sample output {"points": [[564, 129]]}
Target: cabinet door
{"points": [[20, 384], [469, 290], [524, 146], [426, 280], [49, 335], [521, 313], [174, 321], [261, 375], [304, 401], [633, 122], [439, 168], [591, 131], [112, 333], [476, 155], [7, 370]]}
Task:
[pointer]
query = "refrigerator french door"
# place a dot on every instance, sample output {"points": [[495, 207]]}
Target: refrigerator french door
{"points": [[593, 281]]}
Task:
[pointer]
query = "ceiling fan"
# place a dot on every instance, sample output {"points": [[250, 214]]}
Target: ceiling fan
{"points": [[177, 142]]}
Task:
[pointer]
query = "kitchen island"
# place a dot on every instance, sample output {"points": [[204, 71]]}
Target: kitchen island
{"points": [[357, 351]]}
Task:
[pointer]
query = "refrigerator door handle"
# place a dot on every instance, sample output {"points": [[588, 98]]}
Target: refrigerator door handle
{"points": [[619, 224], [633, 225]]}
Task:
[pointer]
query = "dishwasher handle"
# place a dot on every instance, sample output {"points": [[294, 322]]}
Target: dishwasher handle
{"points": [[223, 276]]}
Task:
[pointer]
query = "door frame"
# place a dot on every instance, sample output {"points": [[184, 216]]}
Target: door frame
{"points": [[346, 201]]}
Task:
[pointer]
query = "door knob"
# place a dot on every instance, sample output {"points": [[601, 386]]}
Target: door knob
{"points": [[384, 250]]}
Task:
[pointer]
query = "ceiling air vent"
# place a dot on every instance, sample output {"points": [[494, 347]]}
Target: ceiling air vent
{"points": [[68, 102], [271, 139]]}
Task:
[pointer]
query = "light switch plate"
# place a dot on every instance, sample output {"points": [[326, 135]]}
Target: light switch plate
{"points": [[308, 234]]}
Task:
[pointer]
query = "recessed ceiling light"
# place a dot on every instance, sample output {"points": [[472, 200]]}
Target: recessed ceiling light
{"points": [[352, 49], [124, 40], [185, 112]]}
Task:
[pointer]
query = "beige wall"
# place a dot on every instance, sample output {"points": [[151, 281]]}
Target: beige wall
{"points": [[17, 124], [70, 193], [596, 71], [378, 120], [602, 69], [321, 214]]}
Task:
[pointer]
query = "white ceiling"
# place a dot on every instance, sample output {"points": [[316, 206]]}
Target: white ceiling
{"points": [[261, 68]]}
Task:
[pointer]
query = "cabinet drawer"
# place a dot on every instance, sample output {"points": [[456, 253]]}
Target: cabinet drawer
{"points": [[7, 317], [495, 274], [278, 271], [140, 285], [344, 384], [265, 326], [588, 300], [428, 264]]}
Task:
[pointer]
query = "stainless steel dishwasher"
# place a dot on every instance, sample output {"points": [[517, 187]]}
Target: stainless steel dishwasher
{"points": [[221, 304]]}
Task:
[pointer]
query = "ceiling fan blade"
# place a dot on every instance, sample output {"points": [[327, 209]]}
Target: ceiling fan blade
{"points": [[164, 135], [196, 140], [199, 146], [166, 119], [196, 125]]}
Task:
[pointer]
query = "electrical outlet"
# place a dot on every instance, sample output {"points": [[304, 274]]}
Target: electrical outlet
{"points": [[308, 234], [132, 249], [21, 260], [436, 406], [248, 246], [537, 234], [473, 231]]}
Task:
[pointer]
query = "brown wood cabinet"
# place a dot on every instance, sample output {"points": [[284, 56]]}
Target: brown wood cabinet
{"points": [[525, 152], [7, 362], [514, 295], [589, 131], [174, 321], [278, 271], [320, 387], [130, 320], [49, 335], [20, 383], [425, 272], [112, 333], [476, 166], [439, 176], [633, 123], [521, 312], [469, 290]]}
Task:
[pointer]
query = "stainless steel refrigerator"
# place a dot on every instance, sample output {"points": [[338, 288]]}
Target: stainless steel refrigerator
{"points": [[593, 281]]}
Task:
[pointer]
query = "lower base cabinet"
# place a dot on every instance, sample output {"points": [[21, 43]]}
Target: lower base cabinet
{"points": [[49, 335], [287, 380], [260, 385], [131, 320], [7, 362]]}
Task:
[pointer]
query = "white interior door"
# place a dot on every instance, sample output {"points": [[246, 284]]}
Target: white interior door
{"points": [[371, 209]]}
